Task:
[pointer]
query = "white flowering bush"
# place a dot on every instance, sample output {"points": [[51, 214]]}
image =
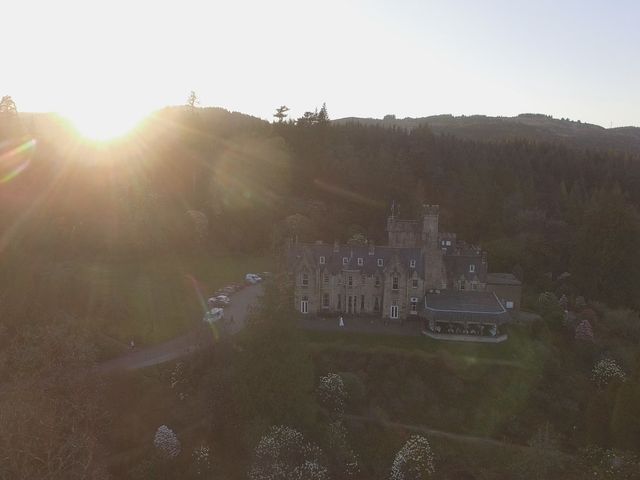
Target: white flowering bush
{"points": [[166, 442], [606, 370], [414, 461], [202, 460], [284, 454], [332, 393]]}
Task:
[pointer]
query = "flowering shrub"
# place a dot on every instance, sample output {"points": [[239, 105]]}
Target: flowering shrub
{"points": [[166, 442], [606, 370], [611, 464], [202, 460], [332, 394], [284, 454], [584, 331], [414, 461]]}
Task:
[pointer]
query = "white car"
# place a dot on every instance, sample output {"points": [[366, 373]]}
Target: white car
{"points": [[213, 315], [252, 278]]}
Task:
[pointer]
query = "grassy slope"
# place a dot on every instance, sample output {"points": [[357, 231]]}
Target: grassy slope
{"points": [[159, 298]]}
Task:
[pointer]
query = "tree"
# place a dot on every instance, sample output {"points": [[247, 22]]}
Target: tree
{"points": [[192, 100], [284, 454], [8, 106], [323, 115], [166, 442], [584, 331], [605, 371], [332, 394], [281, 113], [414, 461]]}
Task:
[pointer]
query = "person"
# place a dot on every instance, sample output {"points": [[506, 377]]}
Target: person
{"points": [[341, 322], [132, 345]]}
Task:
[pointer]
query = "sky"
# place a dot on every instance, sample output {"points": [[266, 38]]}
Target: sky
{"points": [[112, 61]]}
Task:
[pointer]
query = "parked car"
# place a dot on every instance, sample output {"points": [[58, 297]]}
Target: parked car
{"points": [[221, 301], [252, 278], [214, 315], [228, 290]]}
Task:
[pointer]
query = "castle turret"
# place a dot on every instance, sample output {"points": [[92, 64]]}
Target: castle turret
{"points": [[430, 215], [434, 266]]}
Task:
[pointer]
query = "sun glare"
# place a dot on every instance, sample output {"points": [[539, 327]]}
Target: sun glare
{"points": [[100, 125]]}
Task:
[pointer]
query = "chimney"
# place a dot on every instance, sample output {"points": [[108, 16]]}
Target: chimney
{"points": [[372, 248], [336, 246]]}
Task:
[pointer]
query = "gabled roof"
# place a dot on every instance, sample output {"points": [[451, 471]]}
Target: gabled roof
{"points": [[334, 260]]}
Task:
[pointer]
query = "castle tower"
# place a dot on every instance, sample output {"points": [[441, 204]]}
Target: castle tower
{"points": [[430, 215], [434, 265]]}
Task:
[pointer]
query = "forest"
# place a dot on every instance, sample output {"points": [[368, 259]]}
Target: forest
{"points": [[204, 181]]}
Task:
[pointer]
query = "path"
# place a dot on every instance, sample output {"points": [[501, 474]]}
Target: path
{"points": [[189, 342], [448, 435]]}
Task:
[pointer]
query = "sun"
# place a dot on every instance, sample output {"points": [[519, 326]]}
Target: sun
{"points": [[104, 124]]}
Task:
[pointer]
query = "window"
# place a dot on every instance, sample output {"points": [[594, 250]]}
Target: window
{"points": [[362, 303], [325, 300], [345, 260], [394, 283], [461, 284], [380, 262], [412, 264], [376, 304], [394, 311], [304, 305], [448, 243], [377, 281], [472, 268], [473, 286], [325, 278], [442, 242], [360, 261], [305, 279], [350, 280], [322, 260], [414, 305], [414, 283], [509, 304]]}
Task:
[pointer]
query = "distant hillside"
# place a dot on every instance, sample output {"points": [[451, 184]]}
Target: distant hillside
{"points": [[527, 125]]}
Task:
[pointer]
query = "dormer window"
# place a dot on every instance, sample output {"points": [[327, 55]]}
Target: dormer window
{"points": [[448, 243], [322, 260], [380, 262], [305, 279], [345, 260], [412, 264], [472, 268]]}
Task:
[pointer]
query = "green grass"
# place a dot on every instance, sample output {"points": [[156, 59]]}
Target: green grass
{"points": [[157, 300], [520, 349]]}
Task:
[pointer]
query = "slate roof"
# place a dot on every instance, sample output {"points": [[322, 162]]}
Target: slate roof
{"points": [[333, 260], [457, 301], [502, 279]]}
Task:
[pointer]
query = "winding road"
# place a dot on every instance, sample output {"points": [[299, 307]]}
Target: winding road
{"points": [[190, 342]]}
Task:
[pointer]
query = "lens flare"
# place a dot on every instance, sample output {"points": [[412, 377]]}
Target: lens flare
{"points": [[12, 161]]}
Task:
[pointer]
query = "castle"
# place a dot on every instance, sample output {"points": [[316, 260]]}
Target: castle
{"points": [[422, 273]]}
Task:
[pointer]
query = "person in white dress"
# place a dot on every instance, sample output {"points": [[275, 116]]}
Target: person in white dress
{"points": [[341, 322]]}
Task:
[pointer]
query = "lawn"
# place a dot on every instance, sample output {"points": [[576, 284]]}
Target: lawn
{"points": [[157, 300], [519, 350]]}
